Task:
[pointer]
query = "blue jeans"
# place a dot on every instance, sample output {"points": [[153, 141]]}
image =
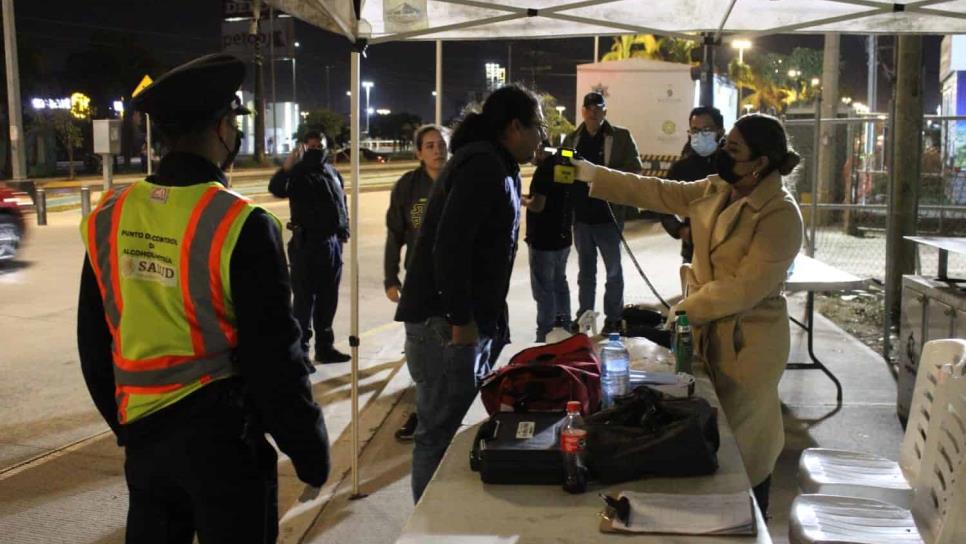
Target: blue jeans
{"points": [[589, 239], [447, 378], [548, 281]]}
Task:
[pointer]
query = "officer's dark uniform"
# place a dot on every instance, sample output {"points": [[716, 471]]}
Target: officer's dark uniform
{"points": [[320, 225], [203, 465]]}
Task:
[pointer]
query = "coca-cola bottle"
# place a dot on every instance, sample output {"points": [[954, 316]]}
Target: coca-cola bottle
{"points": [[573, 439]]}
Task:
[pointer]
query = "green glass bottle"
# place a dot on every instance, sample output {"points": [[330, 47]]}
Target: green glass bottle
{"points": [[683, 342]]}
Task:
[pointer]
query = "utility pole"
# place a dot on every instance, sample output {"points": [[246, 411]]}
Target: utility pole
{"points": [[271, 49], [17, 151], [827, 170], [708, 45], [907, 156], [509, 62], [872, 87], [328, 88], [259, 113]]}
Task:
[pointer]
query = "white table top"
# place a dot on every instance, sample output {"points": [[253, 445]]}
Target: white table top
{"points": [[949, 243], [814, 275], [457, 508]]}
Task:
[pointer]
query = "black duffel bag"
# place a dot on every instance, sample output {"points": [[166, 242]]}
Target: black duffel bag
{"points": [[649, 433]]}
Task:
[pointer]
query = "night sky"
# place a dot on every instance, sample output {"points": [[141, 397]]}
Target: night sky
{"points": [[175, 31]]}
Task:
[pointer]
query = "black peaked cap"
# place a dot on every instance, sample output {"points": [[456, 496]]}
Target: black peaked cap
{"points": [[204, 88]]}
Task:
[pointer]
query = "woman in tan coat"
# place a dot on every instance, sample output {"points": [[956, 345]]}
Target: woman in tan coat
{"points": [[747, 230]]}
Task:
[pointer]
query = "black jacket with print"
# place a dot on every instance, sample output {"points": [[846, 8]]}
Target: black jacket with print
{"points": [[407, 206]]}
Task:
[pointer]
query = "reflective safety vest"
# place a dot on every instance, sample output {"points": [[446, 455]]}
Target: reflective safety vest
{"points": [[161, 256]]}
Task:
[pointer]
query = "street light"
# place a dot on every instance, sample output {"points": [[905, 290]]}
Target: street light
{"points": [[793, 73], [368, 87], [741, 45], [816, 81]]}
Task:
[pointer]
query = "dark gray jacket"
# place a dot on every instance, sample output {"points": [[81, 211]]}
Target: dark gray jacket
{"points": [[407, 206]]}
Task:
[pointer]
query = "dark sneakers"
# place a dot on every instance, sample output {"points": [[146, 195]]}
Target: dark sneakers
{"points": [[408, 429], [331, 355]]}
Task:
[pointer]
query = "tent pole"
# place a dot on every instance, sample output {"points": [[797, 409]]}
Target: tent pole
{"points": [[816, 161], [439, 82], [354, 63]]}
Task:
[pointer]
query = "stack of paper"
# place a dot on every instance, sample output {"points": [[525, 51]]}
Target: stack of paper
{"points": [[728, 514]]}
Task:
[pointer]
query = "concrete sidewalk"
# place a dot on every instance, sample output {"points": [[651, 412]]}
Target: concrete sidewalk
{"points": [[77, 494]]}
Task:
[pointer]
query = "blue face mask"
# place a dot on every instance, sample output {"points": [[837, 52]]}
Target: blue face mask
{"points": [[704, 143]]}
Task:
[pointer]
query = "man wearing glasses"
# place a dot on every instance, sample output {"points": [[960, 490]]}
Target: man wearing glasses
{"points": [[595, 227], [696, 163]]}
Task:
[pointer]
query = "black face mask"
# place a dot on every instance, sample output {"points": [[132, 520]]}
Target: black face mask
{"points": [[724, 163], [232, 153]]}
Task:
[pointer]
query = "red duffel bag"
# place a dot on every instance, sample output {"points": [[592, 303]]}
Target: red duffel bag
{"points": [[545, 378]]}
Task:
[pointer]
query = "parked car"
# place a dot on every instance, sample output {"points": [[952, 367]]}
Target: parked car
{"points": [[12, 224]]}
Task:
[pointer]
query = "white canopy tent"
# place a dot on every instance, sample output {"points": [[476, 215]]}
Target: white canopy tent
{"points": [[380, 21]]}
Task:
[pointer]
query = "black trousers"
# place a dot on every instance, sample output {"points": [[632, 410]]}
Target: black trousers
{"points": [[204, 477], [762, 491], [316, 272]]}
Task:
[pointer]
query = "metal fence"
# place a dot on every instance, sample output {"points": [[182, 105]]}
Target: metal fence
{"points": [[853, 189]]}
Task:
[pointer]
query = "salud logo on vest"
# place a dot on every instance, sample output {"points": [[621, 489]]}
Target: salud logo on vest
{"points": [[159, 194], [141, 268]]}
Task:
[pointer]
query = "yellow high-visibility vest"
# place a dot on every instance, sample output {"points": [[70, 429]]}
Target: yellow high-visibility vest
{"points": [[161, 256]]}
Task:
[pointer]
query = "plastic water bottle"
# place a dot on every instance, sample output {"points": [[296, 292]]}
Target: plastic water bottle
{"points": [[573, 440], [683, 343], [615, 377]]}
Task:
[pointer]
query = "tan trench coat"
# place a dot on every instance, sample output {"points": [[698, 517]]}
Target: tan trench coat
{"points": [[742, 253]]}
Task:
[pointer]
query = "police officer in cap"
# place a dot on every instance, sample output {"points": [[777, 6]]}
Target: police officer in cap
{"points": [[185, 329], [320, 225]]}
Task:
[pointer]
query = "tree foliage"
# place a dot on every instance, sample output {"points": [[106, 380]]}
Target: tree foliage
{"points": [[774, 82], [68, 131], [557, 125], [394, 126], [322, 120], [649, 46]]}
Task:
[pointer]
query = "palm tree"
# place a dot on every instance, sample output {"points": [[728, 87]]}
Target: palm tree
{"points": [[649, 46], [766, 94], [645, 46]]}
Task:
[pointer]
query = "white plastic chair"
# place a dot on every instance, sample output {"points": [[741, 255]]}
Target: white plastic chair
{"points": [[866, 475], [938, 503]]}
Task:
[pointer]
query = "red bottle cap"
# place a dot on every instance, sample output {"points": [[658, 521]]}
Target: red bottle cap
{"points": [[573, 406]]}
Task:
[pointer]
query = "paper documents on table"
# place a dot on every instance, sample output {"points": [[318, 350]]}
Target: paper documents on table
{"points": [[716, 514]]}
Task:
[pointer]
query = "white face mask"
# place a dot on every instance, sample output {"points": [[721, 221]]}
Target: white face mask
{"points": [[704, 143]]}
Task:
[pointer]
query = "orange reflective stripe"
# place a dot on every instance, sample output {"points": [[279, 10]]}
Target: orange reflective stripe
{"points": [[148, 389], [102, 250], [115, 270], [189, 306], [186, 371], [93, 257], [214, 271], [154, 363], [200, 275], [121, 397]]}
